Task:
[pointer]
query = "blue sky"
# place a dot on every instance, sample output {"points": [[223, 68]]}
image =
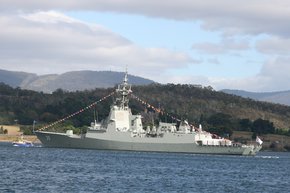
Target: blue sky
{"points": [[176, 36], [223, 43]]}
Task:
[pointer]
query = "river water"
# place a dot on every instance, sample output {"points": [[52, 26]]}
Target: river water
{"points": [[39, 169]]}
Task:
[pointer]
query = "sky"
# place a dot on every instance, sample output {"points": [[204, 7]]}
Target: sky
{"points": [[223, 43]]}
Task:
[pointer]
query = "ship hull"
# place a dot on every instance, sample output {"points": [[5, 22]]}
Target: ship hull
{"points": [[60, 140]]}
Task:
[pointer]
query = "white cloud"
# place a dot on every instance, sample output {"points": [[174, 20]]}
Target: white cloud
{"points": [[226, 45], [230, 17], [35, 38], [50, 42], [274, 76], [277, 69], [274, 46], [49, 17]]}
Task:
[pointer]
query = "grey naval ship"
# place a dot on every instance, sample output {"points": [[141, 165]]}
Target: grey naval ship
{"points": [[122, 130]]}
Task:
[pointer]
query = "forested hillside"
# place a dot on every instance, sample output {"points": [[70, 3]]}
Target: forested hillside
{"points": [[216, 111]]}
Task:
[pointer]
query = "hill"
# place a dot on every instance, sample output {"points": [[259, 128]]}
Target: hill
{"points": [[70, 81], [198, 105], [15, 79], [218, 112], [201, 103], [281, 97]]}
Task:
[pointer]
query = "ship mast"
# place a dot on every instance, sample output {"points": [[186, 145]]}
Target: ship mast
{"points": [[123, 91]]}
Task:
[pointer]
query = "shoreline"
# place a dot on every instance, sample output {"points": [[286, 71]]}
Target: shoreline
{"points": [[11, 138]]}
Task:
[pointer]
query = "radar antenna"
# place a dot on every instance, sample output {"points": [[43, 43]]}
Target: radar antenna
{"points": [[123, 91]]}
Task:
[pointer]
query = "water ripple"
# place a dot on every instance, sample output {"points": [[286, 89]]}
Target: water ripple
{"points": [[72, 170]]}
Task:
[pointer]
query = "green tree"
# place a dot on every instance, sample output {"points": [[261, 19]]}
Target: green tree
{"points": [[261, 126], [245, 125], [220, 120], [27, 130], [221, 124]]}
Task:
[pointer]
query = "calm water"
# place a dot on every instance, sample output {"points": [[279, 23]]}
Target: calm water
{"points": [[68, 170]]}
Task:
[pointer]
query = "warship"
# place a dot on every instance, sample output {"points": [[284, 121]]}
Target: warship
{"points": [[124, 131]]}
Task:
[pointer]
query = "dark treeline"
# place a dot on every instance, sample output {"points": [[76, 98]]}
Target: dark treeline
{"points": [[218, 112], [25, 106]]}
